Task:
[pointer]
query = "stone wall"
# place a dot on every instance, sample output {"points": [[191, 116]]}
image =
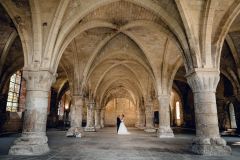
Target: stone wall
{"points": [[14, 122], [120, 106]]}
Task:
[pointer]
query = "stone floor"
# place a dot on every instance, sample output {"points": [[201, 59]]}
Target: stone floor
{"points": [[107, 145]]}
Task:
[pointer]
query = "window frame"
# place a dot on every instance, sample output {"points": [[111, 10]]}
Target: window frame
{"points": [[14, 89]]}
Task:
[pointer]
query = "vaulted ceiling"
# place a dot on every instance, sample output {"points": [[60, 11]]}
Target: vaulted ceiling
{"points": [[125, 57]]}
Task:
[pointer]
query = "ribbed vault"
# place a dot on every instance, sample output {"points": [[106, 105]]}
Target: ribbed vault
{"points": [[118, 55]]}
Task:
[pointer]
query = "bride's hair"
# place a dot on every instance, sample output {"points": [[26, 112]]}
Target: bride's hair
{"points": [[122, 115]]}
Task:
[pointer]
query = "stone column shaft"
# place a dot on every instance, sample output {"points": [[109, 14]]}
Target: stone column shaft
{"points": [[140, 119], [149, 118], [33, 140], [164, 130], [97, 118], [90, 117], [102, 118], [76, 117], [208, 141]]}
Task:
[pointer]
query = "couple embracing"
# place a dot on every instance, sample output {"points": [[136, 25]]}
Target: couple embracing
{"points": [[121, 128]]}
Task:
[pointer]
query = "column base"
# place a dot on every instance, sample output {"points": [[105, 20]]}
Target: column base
{"points": [[98, 127], [165, 132], [210, 146], [150, 130], [89, 129], [75, 132], [30, 144], [140, 126]]}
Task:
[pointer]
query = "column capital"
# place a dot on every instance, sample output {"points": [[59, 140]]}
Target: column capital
{"points": [[203, 79], [39, 80]]}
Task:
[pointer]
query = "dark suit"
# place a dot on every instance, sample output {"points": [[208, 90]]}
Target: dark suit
{"points": [[118, 123]]}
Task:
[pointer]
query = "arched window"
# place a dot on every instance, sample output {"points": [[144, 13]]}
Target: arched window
{"points": [[177, 110], [232, 116], [14, 92]]}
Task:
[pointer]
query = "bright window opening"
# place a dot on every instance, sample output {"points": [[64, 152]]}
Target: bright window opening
{"points": [[177, 110], [14, 92], [232, 116]]}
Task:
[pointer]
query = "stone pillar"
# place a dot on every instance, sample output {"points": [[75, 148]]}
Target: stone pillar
{"points": [[33, 140], [164, 130], [97, 118], [76, 117], [140, 118], [102, 118], [90, 117], [149, 118], [207, 141]]}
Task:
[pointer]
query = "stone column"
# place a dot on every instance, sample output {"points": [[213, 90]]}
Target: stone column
{"points": [[140, 118], [33, 140], [164, 130], [102, 118], [207, 141], [90, 117], [149, 118], [76, 117], [97, 118]]}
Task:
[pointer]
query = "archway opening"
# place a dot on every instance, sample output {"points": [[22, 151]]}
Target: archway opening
{"points": [[176, 109]]}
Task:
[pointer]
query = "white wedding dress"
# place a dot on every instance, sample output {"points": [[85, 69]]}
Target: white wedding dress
{"points": [[122, 128]]}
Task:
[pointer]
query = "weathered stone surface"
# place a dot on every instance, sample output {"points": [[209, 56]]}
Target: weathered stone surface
{"points": [[208, 141], [102, 118], [210, 146], [126, 49], [164, 130], [76, 117], [97, 118], [149, 117], [140, 118], [90, 117], [33, 140]]}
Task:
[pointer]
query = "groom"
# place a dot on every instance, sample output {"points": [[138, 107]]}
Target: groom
{"points": [[118, 122]]}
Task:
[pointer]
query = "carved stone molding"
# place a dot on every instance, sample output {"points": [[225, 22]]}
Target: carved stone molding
{"points": [[39, 80], [203, 80]]}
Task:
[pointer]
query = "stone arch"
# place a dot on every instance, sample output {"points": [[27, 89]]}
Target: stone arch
{"points": [[233, 49], [19, 24], [130, 89], [231, 79], [99, 24], [6, 49], [67, 27], [113, 66], [223, 29]]}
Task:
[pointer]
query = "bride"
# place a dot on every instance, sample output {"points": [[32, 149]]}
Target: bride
{"points": [[122, 127]]}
